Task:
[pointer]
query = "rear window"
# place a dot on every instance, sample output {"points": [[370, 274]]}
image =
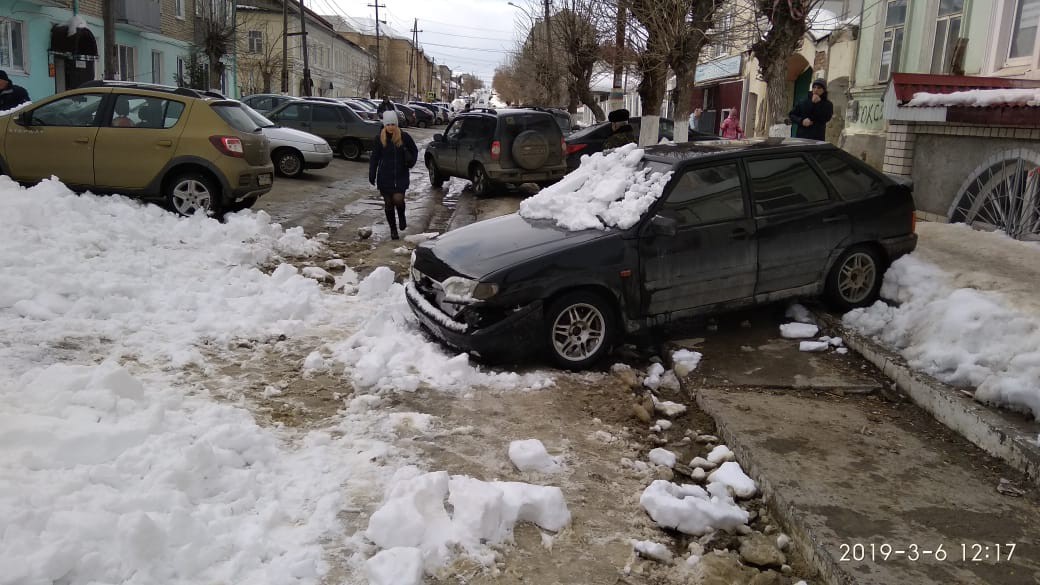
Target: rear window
{"points": [[514, 124], [851, 182], [235, 116], [780, 184]]}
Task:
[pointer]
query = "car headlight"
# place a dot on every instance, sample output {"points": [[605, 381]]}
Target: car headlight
{"points": [[463, 290]]}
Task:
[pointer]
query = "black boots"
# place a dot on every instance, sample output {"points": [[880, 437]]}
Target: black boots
{"points": [[395, 222], [400, 217]]}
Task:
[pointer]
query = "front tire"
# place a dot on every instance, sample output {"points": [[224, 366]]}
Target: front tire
{"points": [[436, 178], [855, 279], [482, 186], [350, 149], [288, 162], [580, 327], [189, 192]]}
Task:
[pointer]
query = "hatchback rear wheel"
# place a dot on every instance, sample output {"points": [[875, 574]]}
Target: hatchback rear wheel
{"points": [[855, 279], [189, 192], [580, 329]]}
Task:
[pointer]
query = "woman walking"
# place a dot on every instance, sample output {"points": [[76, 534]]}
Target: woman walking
{"points": [[393, 154], [731, 126]]}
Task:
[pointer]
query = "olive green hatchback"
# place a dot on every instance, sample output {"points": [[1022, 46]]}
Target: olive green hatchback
{"points": [[190, 150]]}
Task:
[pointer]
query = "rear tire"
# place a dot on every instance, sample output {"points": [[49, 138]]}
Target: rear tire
{"points": [[189, 192], [350, 149], [436, 178], [482, 186], [855, 279], [580, 328]]}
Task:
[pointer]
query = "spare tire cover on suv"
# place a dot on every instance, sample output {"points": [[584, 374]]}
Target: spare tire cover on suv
{"points": [[530, 150]]}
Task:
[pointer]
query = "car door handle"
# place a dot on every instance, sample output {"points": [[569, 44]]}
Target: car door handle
{"points": [[165, 143], [739, 234], [834, 218], [82, 140]]}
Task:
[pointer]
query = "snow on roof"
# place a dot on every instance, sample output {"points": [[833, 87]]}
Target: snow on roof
{"points": [[977, 98], [823, 22], [365, 26]]}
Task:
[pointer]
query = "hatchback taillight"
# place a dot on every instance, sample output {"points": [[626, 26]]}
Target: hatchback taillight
{"points": [[229, 145], [573, 148], [496, 150]]}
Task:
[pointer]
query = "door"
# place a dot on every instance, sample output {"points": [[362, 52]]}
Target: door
{"points": [[797, 221], [56, 138], [327, 123], [141, 129], [712, 256], [448, 150], [295, 115], [474, 142]]}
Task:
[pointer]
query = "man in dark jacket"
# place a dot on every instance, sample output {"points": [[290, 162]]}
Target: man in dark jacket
{"points": [[11, 95], [393, 154], [621, 131], [385, 105], [810, 116]]}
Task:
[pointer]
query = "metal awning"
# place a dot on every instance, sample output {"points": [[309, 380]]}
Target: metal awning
{"points": [[80, 45]]}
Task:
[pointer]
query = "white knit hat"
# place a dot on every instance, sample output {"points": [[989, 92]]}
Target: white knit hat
{"points": [[389, 117]]}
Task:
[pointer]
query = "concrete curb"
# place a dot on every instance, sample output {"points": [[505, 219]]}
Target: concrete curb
{"points": [[1001, 436], [818, 556]]}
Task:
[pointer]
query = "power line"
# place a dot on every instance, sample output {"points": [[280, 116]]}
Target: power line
{"points": [[482, 49], [433, 32]]}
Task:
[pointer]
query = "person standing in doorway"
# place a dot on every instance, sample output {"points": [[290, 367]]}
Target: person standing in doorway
{"points": [[810, 116], [393, 154], [11, 95], [695, 119], [731, 126]]}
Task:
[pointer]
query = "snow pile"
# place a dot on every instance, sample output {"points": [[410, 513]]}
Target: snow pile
{"points": [[733, 477], [652, 550], [813, 346], [657, 377], [608, 190], [685, 361], [659, 456], [962, 336], [977, 98], [798, 312], [414, 516], [691, 509], [530, 455], [798, 330]]}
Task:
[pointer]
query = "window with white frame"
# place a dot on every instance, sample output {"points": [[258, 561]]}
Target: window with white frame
{"points": [[156, 67], [178, 8], [12, 50], [126, 63], [892, 38], [256, 41], [947, 31], [1023, 30]]}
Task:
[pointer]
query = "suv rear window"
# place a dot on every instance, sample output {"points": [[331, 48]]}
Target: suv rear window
{"points": [[235, 116], [514, 124]]}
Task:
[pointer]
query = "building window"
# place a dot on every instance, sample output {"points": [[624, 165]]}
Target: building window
{"points": [[256, 41], [180, 72], [947, 31], [198, 8], [156, 67], [178, 8], [12, 35], [1023, 33], [892, 39], [126, 63]]}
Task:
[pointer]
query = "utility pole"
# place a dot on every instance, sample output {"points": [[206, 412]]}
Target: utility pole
{"points": [[379, 52], [285, 46], [108, 13], [617, 90], [306, 64], [415, 57]]}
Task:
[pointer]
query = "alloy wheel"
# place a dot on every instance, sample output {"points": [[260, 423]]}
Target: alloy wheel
{"points": [[190, 196], [578, 332], [856, 277]]}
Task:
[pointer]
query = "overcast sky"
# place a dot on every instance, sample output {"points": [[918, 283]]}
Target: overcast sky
{"points": [[470, 36]]}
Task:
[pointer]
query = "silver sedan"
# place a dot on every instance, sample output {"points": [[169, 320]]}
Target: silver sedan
{"points": [[292, 150]]}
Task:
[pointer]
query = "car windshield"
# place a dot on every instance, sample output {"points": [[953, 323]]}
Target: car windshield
{"points": [[257, 117]]}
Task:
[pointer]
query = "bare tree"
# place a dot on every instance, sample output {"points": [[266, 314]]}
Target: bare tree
{"points": [[684, 57], [215, 37], [787, 22], [259, 57], [579, 32], [471, 83]]}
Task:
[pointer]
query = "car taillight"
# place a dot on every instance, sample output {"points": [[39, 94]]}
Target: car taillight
{"points": [[573, 148], [496, 150], [229, 145]]}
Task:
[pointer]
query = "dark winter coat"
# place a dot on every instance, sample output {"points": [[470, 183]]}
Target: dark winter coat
{"points": [[384, 106], [13, 96], [820, 113], [388, 166], [622, 136]]}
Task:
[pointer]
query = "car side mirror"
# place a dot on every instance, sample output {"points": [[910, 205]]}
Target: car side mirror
{"points": [[663, 226], [23, 119], [438, 138]]}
